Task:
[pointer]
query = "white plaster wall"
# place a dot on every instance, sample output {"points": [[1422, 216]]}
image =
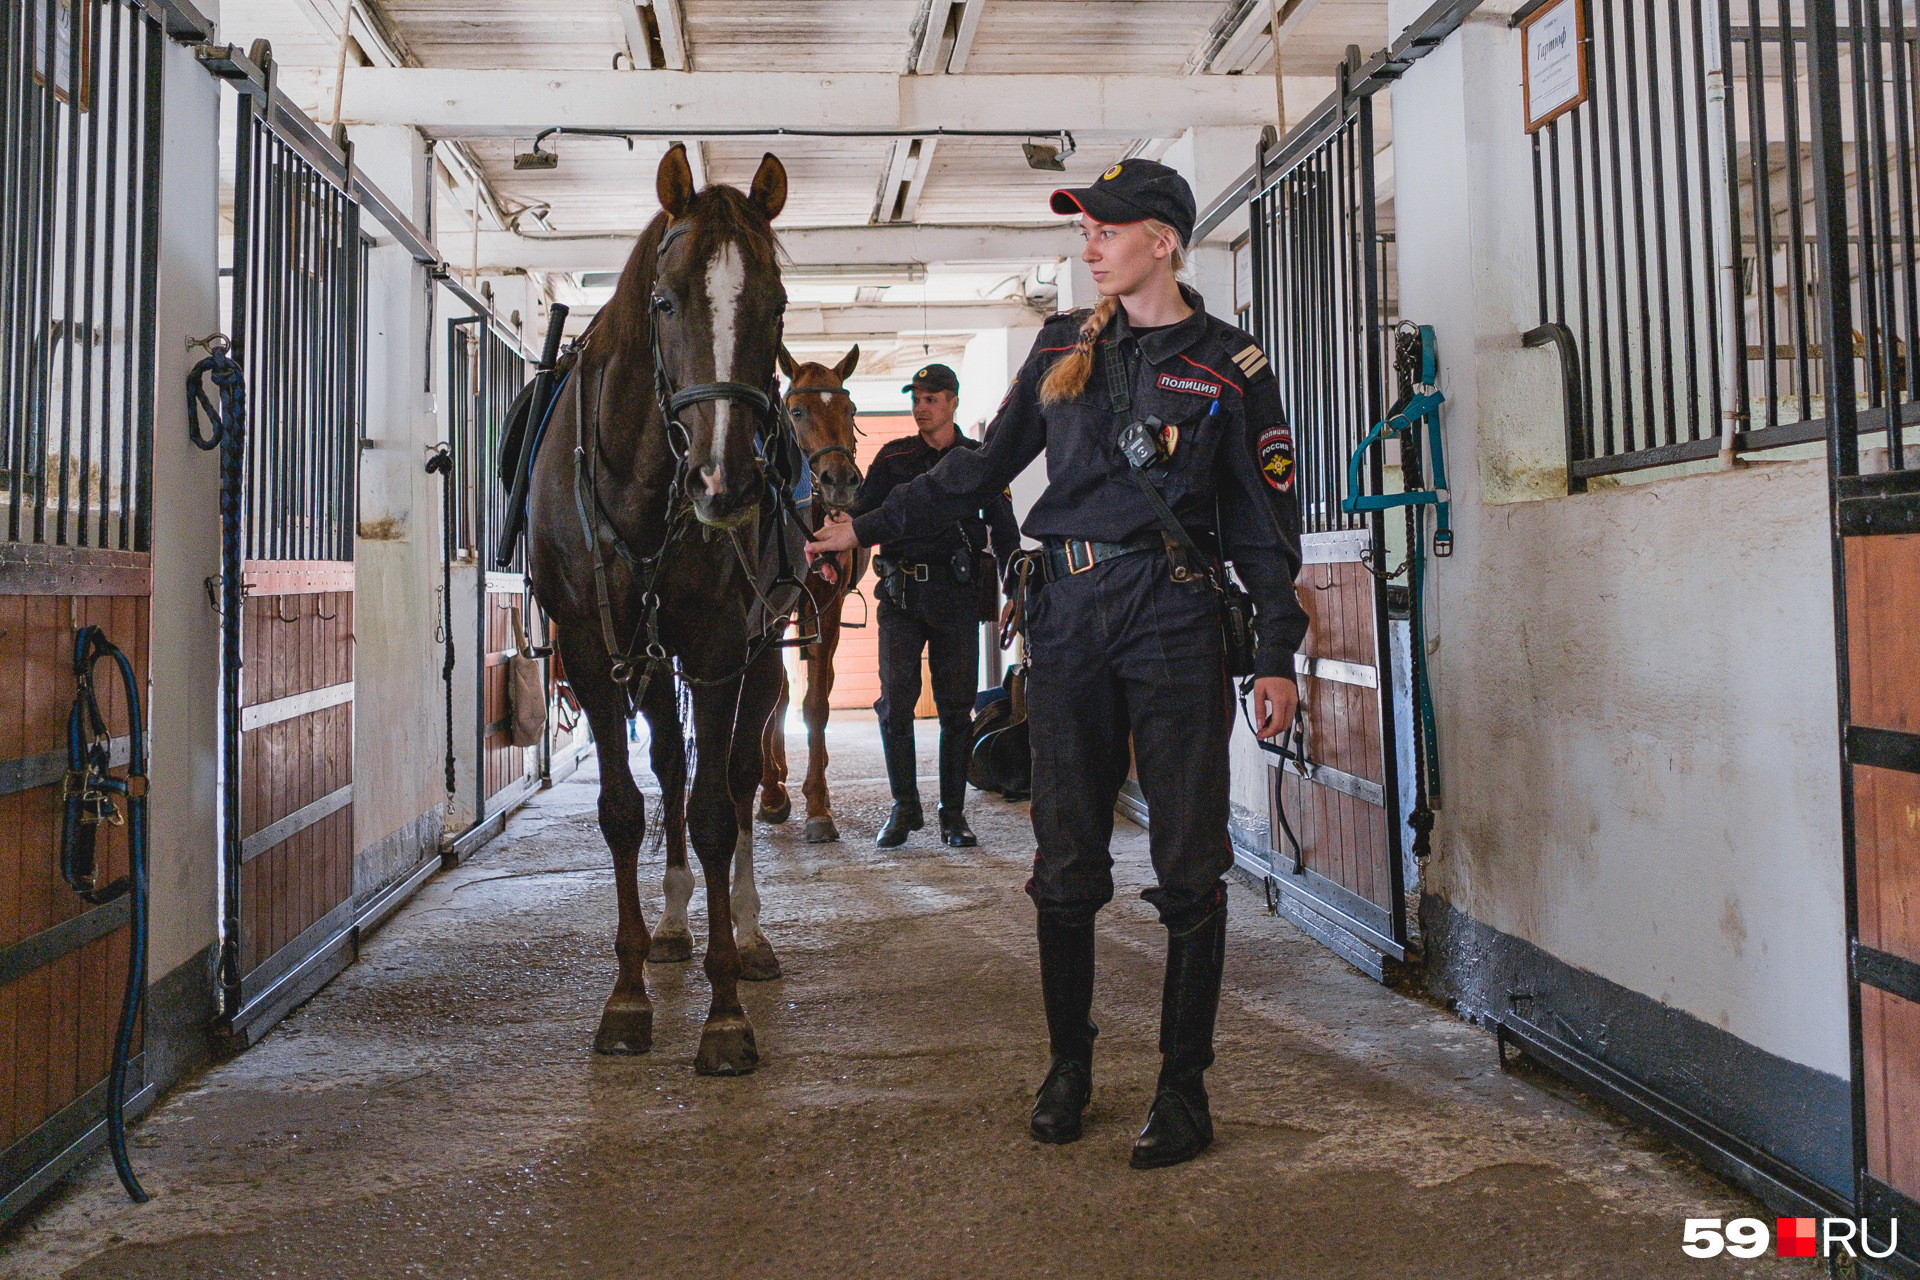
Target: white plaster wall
{"points": [[184, 667], [399, 726], [1635, 686]]}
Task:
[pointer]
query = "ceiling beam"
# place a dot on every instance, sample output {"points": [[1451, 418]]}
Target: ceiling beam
{"points": [[518, 104], [853, 320], [933, 35], [888, 246], [672, 22], [963, 36]]}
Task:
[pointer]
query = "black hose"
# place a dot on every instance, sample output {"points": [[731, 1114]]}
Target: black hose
{"points": [[89, 802], [440, 463], [229, 435]]}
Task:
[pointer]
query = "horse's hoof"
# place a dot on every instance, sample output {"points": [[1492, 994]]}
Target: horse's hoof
{"points": [[726, 1048], [670, 948], [774, 817], [821, 830], [757, 961], [626, 1026]]}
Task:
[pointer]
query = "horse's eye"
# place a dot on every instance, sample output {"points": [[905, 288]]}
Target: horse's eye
{"points": [[663, 304]]}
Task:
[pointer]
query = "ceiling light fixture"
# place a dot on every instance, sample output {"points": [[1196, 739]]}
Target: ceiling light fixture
{"points": [[536, 159], [1049, 156]]}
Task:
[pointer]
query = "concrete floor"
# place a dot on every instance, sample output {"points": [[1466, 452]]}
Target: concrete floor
{"points": [[436, 1112]]}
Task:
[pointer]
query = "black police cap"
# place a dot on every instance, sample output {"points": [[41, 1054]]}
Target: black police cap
{"points": [[1133, 191], [934, 377]]}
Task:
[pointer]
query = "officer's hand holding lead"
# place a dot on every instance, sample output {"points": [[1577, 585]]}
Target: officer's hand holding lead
{"points": [[1274, 701], [833, 537]]}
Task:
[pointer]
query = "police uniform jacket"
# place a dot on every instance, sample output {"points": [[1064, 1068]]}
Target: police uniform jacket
{"points": [[979, 523], [1231, 450]]}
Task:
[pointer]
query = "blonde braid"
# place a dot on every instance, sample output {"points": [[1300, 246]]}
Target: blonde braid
{"points": [[1068, 377]]}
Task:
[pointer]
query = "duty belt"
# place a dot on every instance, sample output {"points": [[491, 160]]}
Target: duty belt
{"points": [[912, 572], [1068, 556]]}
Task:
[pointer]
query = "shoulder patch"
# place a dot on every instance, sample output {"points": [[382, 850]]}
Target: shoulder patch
{"points": [[1252, 360], [1276, 458]]}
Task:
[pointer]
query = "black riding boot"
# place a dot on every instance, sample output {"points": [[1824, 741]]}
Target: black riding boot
{"points": [[1179, 1126], [956, 744], [902, 775], [1066, 983]]}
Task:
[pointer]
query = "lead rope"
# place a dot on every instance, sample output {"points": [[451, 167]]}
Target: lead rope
{"points": [[89, 792], [230, 437]]}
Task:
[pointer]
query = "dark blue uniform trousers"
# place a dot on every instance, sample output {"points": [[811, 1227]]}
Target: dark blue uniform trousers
{"points": [[944, 619], [1123, 649]]}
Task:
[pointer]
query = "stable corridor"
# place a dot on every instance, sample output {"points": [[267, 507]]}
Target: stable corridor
{"points": [[436, 1112]]}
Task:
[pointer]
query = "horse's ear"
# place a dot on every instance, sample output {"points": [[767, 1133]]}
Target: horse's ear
{"points": [[674, 183], [769, 191], [788, 365], [844, 369]]}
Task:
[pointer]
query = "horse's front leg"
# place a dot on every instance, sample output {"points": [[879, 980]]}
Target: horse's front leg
{"points": [[820, 825], [758, 963], [673, 940], [713, 822], [626, 1023], [776, 806]]}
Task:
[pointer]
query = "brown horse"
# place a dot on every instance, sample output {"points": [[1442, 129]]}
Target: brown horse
{"points": [[648, 517], [823, 420]]}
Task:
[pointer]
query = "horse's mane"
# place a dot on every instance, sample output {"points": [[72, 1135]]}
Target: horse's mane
{"points": [[717, 213]]}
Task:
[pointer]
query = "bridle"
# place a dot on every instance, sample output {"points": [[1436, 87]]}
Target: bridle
{"points": [[845, 451], [672, 401]]}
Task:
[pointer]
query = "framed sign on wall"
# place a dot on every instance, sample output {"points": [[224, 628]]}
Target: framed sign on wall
{"points": [[1553, 61]]}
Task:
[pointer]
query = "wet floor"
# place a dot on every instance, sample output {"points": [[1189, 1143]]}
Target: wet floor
{"points": [[437, 1113]]}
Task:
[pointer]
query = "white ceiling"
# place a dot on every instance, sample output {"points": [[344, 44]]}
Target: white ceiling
{"points": [[602, 187]]}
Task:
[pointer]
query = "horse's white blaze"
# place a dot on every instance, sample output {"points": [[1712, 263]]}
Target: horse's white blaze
{"points": [[726, 284], [746, 897], [678, 883]]}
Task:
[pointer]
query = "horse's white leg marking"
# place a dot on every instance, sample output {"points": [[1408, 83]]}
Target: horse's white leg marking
{"points": [[746, 897], [726, 282], [678, 883]]}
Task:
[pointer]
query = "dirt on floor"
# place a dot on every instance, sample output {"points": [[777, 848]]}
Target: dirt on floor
{"points": [[437, 1112]]}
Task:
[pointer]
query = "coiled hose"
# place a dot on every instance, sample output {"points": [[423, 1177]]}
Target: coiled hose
{"points": [[89, 793]]}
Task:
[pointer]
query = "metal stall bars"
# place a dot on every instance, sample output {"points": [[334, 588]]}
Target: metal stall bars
{"points": [[1676, 251], [1322, 310], [1862, 73], [297, 331], [80, 88], [484, 374], [1320, 281]]}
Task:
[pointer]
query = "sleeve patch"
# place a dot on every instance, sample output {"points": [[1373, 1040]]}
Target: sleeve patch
{"points": [[1276, 458], [1252, 360]]}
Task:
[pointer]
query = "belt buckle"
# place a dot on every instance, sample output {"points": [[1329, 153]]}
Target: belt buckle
{"points": [[1073, 568], [919, 573]]}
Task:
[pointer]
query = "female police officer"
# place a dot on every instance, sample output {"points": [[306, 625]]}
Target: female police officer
{"points": [[1124, 637]]}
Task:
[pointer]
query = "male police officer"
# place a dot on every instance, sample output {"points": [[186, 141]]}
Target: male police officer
{"points": [[929, 597]]}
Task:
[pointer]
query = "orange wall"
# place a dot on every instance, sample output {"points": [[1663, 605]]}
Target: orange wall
{"points": [[856, 665]]}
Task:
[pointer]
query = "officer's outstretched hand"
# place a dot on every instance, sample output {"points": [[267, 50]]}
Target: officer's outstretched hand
{"points": [[833, 537], [1274, 701]]}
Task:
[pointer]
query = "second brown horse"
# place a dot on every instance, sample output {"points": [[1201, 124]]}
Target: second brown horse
{"points": [[823, 419]]}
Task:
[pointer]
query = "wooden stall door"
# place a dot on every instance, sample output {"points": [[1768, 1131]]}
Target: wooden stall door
{"points": [[1342, 804], [296, 782], [62, 962], [1882, 585]]}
